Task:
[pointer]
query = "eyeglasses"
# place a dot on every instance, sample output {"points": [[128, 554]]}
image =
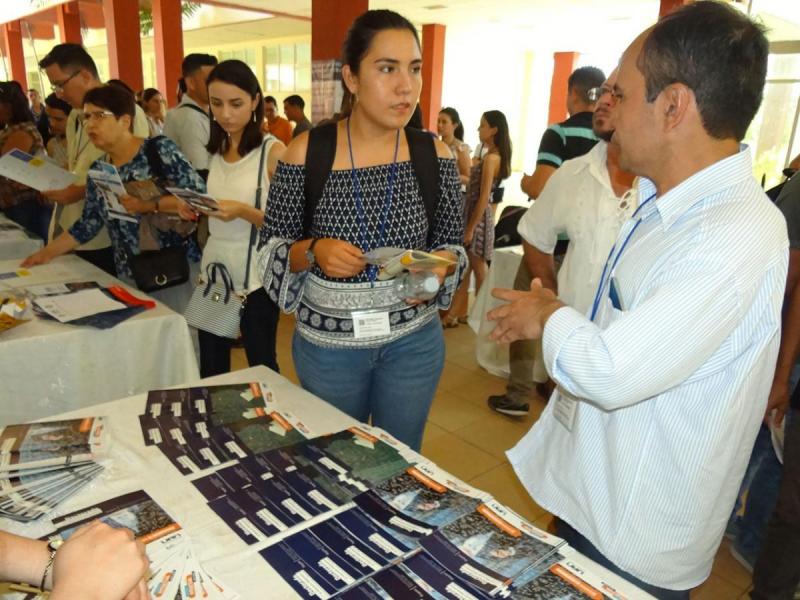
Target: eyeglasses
{"points": [[95, 115], [596, 93], [59, 87]]}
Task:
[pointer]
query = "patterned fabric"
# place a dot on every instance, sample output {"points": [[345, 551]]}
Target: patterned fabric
{"points": [[12, 193], [483, 240], [124, 234], [568, 139], [324, 305]]}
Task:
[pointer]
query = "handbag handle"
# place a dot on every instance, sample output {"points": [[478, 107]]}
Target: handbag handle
{"points": [[253, 231], [227, 281]]}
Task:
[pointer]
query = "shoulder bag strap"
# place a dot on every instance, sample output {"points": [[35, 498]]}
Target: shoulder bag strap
{"points": [[253, 230], [320, 154], [425, 161]]}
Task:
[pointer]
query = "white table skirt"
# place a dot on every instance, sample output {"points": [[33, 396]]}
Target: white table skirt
{"points": [[16, 243], [48, 367], [132, 466]]}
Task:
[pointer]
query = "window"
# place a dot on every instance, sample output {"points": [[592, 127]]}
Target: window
{"points": [[287, 67]]}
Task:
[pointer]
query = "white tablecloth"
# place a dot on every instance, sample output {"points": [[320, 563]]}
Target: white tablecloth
{"points": [[48, 367], [133, 466], [490, 355], [16, 243]]}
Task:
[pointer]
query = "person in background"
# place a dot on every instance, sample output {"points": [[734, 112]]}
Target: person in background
{"points": [[108, 113], [39, 114], [96, 562], [294, 109], [451, 132], [358, 340], [274, 123], [478, 216], [155, 107], [73, 73], [235, 147], [57, 114], [18, 131], [188, 124]]}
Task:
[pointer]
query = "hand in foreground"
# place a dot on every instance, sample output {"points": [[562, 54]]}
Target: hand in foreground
{"points": [[68, 195], [186, 211], [338, 258], [525, 315], [440, 272], [228, 210], [100, 562], [40, 257], [135, 206], [778, 401]]}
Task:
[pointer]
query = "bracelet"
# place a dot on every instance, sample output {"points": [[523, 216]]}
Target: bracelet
{"points": [[53, 546], [156, 210]]}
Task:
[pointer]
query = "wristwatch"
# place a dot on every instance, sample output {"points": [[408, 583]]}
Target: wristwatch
{"points": [[310, 257], [52, 546]]}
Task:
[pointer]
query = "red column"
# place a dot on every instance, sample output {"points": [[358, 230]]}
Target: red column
{"points": [[124, 44], [168, 42], [667, 6], [430, 100], [15, 55], [563, 65], [69, 22], [329, 24]]}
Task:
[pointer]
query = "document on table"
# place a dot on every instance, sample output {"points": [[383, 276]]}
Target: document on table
{"points": [[37, 173], [68, 307]]}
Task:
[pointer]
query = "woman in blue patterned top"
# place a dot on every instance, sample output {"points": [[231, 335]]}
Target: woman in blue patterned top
{"points": [[108, 112], [358, 345]]}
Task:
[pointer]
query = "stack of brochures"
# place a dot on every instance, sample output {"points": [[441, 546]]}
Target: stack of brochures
{"points": [[42, 464], [175, 572], [198, 428]]}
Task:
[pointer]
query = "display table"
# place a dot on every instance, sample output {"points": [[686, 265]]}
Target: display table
{"points": [[15, 241], [490, 355], [48, 367], [132, 466]]}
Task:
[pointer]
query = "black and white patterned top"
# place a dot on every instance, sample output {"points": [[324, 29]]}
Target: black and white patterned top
{"points": [[324, 305]]}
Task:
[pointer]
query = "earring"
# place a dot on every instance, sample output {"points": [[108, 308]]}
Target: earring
{"points": [[254, 116]]}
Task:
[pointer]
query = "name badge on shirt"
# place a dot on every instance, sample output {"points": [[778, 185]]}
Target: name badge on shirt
{"points": [[565, 410], [368, 324]]}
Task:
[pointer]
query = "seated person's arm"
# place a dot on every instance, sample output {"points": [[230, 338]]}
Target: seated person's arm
{"points": [[534, 184]]}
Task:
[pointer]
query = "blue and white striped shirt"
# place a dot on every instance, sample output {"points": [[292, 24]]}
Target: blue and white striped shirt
{"points": [[674, 387]]}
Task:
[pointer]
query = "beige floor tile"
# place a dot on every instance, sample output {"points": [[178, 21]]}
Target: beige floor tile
{"points": [[716, 588], [454, 376], [543, 521], [432, 431], [478, 388], [493, 434], [458, 457], [452, 412], [728, 568], [502, 483], [465, 360]]}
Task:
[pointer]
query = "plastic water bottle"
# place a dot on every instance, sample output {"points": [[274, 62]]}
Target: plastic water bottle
{"points": [[419, 285]]}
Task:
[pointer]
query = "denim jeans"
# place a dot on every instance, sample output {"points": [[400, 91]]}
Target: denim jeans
{"points": [[394, 384]]}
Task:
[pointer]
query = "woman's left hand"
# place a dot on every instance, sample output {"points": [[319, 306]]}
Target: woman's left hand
{"points": [[135, 206], [228, 210], [469, 233]]}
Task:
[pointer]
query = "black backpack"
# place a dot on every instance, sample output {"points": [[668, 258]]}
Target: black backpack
{"points": [[322, 151]]}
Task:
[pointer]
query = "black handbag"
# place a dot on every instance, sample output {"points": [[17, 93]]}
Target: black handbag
{"points": [[155, 270]]}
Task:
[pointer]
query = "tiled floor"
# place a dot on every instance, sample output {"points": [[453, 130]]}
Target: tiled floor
{"points": [[466, 438]]}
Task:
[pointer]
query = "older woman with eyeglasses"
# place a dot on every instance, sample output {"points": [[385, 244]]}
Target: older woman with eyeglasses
{"points": [[108, 114]]}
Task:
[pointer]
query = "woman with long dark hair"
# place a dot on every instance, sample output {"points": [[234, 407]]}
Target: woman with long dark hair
{"points": [[451, 132], [485, 176], [18, 130], [237, 160], [359, 344]]}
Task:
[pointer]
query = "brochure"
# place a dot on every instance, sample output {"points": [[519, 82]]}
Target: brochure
{"points": [[393, 261], [35, 172], [110, 187], [198, 200]]}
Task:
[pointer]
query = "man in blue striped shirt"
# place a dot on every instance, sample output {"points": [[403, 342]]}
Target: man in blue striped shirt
{"points": [[663, 385]]}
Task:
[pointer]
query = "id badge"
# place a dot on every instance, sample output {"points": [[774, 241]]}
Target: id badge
{"points": [[368, 324], [565, 410]]}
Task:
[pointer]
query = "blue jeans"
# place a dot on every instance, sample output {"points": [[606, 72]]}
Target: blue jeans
{"points": [[394, 384]]}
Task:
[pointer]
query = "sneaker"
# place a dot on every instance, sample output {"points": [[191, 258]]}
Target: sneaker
{"points": [[507, 406]]}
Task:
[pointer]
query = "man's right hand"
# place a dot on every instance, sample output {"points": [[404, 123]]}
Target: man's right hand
{"points": [[69, 195], [100, 562], [778, 401], [338, 258]]}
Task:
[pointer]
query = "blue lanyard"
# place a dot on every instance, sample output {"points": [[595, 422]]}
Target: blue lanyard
{"points": [[372, 270], [602, 283]]}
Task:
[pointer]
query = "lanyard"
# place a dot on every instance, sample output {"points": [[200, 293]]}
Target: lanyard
{"points": [[372, 270], [601, 286]]}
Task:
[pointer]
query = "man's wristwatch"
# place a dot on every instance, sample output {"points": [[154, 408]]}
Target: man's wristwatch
{"points": [[52, 546], [310, 257]]}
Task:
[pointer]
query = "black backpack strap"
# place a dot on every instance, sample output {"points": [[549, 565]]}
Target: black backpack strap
{"points": [[425, 161], [194, 107], [154, 158], [320, 154]]}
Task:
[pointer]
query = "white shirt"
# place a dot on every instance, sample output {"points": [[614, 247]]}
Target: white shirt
{"points": [[190, 130], [228, 242], [674, 387], [578, 201]]}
